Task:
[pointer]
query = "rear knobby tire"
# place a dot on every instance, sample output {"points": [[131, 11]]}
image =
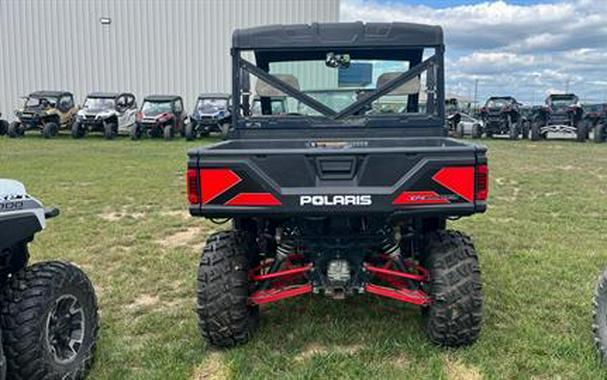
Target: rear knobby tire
{"points": [[454, 316], [135, 132], [190, 132], [30, 298], [599, 316], [581, 132], [15, 129], [513, 129], [77, 130], [224, 316], [168, 132], [536, 134], [3, 127]]}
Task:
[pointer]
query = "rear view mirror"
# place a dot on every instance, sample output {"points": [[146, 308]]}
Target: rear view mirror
{"points": [[341, 61]]}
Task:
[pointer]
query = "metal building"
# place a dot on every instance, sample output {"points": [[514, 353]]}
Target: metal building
{"points": [[154, 46]]}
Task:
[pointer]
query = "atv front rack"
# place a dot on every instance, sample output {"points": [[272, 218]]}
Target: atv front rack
{"points": [[278, 280]]}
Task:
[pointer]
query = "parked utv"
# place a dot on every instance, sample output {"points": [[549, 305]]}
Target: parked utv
{"points": [[109, 113], [47, 111], [342, 199], [3, 126], [595, 118], [160, 116], [48, 310], [212, 113], [502, 115], [562, 113]]}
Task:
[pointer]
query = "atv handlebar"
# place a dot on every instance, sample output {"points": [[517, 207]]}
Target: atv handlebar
{"points": [[51, 212]]}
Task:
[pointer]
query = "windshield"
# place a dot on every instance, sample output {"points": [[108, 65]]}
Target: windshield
{"points": [[562, 101], [37, 101], [99, 104], [497, 103], [212, 104], [352, 88], [155, 108]]}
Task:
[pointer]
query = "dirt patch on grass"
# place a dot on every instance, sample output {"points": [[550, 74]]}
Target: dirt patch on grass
{"points": [[315, 349], [212, 369], [144, 301], [116, 216], [181, 214], [181, 238], [457, 370]]}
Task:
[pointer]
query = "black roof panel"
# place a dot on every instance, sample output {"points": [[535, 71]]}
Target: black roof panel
{"points": [[161, 98], [50, 93], [353, 34]]}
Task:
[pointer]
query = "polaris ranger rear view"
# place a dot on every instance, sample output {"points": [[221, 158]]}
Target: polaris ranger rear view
{"points": [[335, 197]]}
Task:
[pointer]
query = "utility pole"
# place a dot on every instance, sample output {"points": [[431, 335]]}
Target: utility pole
{"points": [[567, 86], [475, 92]]}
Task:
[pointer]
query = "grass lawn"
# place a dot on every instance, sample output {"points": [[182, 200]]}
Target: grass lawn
{"points": [[542, 244]]}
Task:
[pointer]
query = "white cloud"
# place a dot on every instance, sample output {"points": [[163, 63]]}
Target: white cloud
{"points": [[522, 49]]}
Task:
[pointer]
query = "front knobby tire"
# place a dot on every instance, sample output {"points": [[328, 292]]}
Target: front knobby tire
{"points": [[49, 322], [454, 316], [225, 317], [599, 316], [110, 130], [50, 130]]}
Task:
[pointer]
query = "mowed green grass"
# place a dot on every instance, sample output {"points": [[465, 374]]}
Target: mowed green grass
{"points": [[541, 244]]}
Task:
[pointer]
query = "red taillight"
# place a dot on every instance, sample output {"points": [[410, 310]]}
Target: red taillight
{"points": [[482, 183], [193, 188], [139, 116]]}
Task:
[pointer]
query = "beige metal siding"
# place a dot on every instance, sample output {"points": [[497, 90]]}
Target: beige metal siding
{"points": [[154, 46]]}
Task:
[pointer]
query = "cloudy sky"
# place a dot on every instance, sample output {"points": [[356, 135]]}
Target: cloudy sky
{"points": [[523, 48]]}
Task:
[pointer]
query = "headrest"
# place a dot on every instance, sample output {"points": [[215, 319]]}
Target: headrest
{"points": [[410, 87], [264, 89]]}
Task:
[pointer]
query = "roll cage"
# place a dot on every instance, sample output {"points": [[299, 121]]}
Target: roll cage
{"points": [[396, 41]]}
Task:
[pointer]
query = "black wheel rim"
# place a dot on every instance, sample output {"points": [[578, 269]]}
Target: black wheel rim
{"points": [[65, 329]]}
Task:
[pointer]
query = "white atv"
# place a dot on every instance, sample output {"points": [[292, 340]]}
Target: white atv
{"points": [[48, 311], [109, 113]]}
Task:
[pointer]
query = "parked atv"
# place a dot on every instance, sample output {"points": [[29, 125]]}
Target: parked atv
{"points": [[48, 313], [595, 119], [502, 115], [212, 113], [109, 113], [562, 113], [339, 198], [160, 116], [47, 111], [3, 126]]}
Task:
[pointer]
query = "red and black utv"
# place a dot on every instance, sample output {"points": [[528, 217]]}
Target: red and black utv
{"points": [[340, 198], [160, 116]]}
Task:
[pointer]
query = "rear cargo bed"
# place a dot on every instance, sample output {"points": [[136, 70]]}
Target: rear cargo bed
{"points": [[396, 176]]}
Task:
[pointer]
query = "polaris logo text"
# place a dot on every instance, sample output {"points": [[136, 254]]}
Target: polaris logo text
{"points": [[335, 200]]}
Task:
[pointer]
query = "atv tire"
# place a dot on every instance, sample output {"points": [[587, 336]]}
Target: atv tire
{"points": [[224, 128], [135, 132], [15, 129], [109, 130], [3, 127], [190, 132], [50, 129], [477, 131], [581, 133], [77, 130], [513, 129], [39, 305], [454, 316], [167, 132], [536, 135], [225, 317], [599, 133]]}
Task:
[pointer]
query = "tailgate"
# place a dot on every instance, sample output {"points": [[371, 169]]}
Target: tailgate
{"points": [[302, 177]]}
